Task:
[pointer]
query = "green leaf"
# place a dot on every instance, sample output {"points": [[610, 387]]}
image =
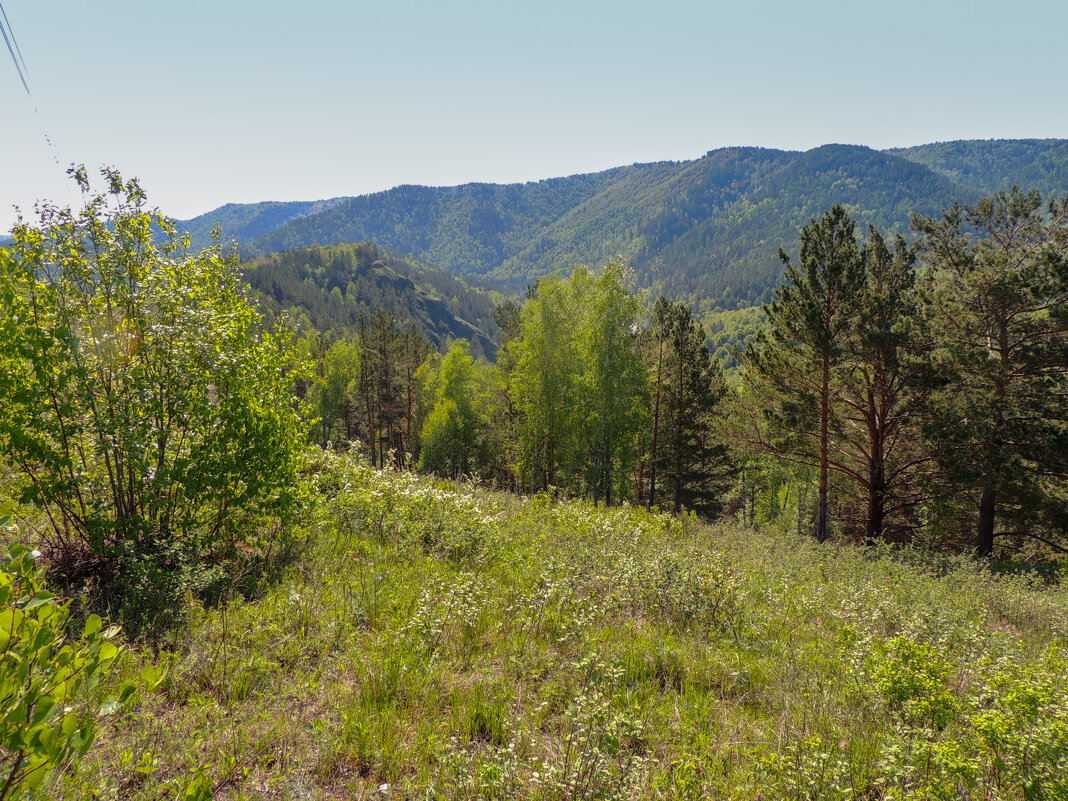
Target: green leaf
{"points": [[92, 626]]}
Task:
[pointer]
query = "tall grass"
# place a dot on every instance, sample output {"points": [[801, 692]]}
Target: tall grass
{"points": [[445, 642]]}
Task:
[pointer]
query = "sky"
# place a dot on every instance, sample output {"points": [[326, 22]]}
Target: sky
{"points": [[226, 101]]}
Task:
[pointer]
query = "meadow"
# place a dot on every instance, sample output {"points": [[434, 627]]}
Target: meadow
{"points": [[435, 640]]}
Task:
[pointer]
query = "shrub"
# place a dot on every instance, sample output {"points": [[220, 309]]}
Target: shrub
{"points": [[141, 400], [47, 707]]}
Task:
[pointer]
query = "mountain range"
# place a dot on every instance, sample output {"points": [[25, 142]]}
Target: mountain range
{"points": [[706, 231]]}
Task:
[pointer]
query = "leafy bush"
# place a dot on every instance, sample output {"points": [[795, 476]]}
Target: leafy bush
{"points": [[1022, 720], [47, 705], [913, 679], [140, 399]]}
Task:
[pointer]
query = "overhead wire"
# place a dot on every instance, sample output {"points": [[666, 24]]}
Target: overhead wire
{"points": [[14, 50], [20, 67]]}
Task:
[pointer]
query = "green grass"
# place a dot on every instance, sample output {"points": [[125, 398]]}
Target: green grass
{"points": [[455, 643]]}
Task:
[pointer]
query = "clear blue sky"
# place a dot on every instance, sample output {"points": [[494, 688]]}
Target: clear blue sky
{"points": [[239, 101]]}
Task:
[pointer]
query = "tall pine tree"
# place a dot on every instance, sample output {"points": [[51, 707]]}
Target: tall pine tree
{"points": [[880, 388], [1001, 321], [791, 366]]}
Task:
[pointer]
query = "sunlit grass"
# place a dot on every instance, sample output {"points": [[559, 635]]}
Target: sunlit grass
{"points": [[455, 643]]}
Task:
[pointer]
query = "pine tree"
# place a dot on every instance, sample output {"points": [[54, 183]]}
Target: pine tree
{"points": [[687, 389], [413, 350], [880, 389], [791, 366], [1001, 318], [380, 386]]}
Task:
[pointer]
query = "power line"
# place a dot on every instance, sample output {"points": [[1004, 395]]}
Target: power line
{"points": [[14, 50]]}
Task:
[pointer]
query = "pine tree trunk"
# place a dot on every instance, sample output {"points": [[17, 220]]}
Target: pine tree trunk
{"points": [[656, 427], [409, 412], [987, 505], [825, 413], [876, 475], [679, 406], [988, 501], [876, 506], [372, 432]]}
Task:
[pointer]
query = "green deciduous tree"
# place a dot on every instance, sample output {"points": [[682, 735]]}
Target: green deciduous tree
{"points": [[140, 399], [451, 432], [334, 390], [613, 382], [48, 676], [578, 382], [544, 383]]}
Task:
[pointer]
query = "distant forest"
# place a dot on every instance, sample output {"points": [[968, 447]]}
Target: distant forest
{"points": [[330, 289], [704, 232]]}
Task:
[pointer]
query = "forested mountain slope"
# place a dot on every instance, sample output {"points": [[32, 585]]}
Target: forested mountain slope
{"points": [[334, 286], [468, 229], [730, 258], [706, 230], [988, 165], [246, 221]]}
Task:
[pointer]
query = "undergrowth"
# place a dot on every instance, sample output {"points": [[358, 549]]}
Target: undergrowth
{"points": [[442, 642]]}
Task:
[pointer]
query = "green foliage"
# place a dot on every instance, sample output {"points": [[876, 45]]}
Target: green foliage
{"points": [[454, 643], [842, 382], [334, 286], [384, 404], [1002, 351], [728, 333], [141, 402], [578, 383], [991, 165], [1022, 718], [48, 679], [703, 231], [686, 456], [333, 394], [790, 366], [914, 681], [452, 429], [447, 438], [544, 383], [244, 222], [613, 387]]}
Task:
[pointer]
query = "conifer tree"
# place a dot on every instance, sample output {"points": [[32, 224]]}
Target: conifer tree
{"points": [[880, 389], [380, 386], [413, 351], [791, 366], [687, 389], [1001, 321]]}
